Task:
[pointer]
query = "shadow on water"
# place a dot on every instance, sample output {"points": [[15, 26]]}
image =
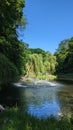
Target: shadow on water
{"points": [[65, 99], [9, 96]]}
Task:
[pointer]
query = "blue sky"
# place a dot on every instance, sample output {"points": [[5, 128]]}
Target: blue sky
{"points": [[48, 23]]}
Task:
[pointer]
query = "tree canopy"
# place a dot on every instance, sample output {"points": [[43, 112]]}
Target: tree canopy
{"points": [[40, 62], [11, 17], [64, 55]]}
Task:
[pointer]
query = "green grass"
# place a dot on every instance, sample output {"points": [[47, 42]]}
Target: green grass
{"points": [[48, 77], [13, 119]]}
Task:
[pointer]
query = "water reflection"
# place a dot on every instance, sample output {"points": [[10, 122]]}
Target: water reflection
{"points": [[65, 99], [40, 100]]}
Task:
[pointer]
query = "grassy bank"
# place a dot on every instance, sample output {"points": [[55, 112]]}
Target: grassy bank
{"points": [[13, 119], [48, 77], [41, 77]]}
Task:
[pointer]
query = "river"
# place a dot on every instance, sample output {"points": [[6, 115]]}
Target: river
{"points": [[40, 98]]}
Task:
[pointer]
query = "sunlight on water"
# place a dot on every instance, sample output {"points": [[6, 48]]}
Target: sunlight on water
{"points": [[44, 110]]}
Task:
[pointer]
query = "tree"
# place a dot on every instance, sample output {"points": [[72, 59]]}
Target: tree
{"points": [[64, 55], [68, 63], [11, 17], [61, 54], [12, 50], [40, 62], [50, 62]]}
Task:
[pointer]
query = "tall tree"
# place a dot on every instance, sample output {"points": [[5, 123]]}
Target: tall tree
{"points": [[61, 54], [64, 55], [12, 50], [40, 62], [11, 17], [68, 63]]}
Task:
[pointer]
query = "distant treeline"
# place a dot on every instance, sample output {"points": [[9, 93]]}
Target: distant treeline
{"points": [[16, 58]]}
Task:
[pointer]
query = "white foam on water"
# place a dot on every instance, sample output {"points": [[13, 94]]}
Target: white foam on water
{"points": [[19, 84], [43, 82], [37, 82], [47, 83]]}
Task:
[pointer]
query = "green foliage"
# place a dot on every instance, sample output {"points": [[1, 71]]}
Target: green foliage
{"points": [[11, 17], [37, 51], [50, 63], [40, 62], [13, 119], [64, 55], [8, 71], [48, 77], [69, 59], [16, 52]]}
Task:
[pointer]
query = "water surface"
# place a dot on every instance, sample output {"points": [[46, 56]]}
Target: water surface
{"points": [[40, 98]]}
